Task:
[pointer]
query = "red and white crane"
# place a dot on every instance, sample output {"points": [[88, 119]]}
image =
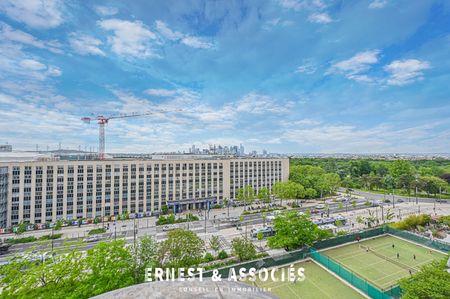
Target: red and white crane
{"points": [[103, 120]]}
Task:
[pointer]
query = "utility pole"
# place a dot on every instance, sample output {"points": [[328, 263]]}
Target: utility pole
{"points": [[52, 238], [205, 218], [393, 199]]}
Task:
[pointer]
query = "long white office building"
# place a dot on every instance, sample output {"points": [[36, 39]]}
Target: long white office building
{"points": [[40, 190]]}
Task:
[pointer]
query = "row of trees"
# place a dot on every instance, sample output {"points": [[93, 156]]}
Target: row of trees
{"points": [[315, 180], [430, 177], [109, 265], [305, 181]]}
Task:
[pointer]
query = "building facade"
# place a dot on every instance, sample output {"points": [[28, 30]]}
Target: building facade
{"points": [[45, 191]]}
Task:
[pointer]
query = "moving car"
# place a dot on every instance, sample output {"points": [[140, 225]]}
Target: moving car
{"points": [[92, 239], [267, 232]]}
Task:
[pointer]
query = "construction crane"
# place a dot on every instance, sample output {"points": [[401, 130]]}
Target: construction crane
{"points": [[103, 120]]}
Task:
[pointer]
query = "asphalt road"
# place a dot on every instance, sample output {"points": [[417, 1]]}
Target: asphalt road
{"points": [[377, 196]]}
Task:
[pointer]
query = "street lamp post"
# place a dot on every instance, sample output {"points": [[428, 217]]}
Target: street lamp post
{"points": [[115, 231], [393, 199], [205, 218]]}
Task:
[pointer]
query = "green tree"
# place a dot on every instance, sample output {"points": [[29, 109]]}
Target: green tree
{"points": [[400, 168], [110, 267], [182, 249], [246, 194], [389, 214], [310, 193], [264, 195], [243, 249], [293, 231], [432, 281], [260, 237], [50, 278], [433, 185], [144, 256], [287, 190], [58, 225], [20, 228], [214, 243]]}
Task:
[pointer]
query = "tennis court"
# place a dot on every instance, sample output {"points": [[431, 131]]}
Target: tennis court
{"points": [[376, 261], [318, 284]]}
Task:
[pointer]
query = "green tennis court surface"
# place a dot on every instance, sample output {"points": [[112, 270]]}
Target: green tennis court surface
{"points": [[380, 265], [318, 284]]}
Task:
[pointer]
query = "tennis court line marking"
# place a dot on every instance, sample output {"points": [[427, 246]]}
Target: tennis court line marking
{"points": [[290, 289], [341, 279], [351, 243], [352, 254], [317, 287], [418, 244]]}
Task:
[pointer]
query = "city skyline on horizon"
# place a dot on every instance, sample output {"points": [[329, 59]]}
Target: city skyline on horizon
{"points": [[297, 76]]}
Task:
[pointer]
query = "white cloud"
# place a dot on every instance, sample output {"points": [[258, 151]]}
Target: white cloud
{"points": [[7, 33], [161, 92], [85, 45], [405, 71], [378, 4], [53, 71], [33, 65], [168, 33], [131, 39], [196, 42], [21, 68], [259, 104], [354, 66], [276, 22], [307, 67], [382, 138], [105, 10], [34, 13], [321, 18], [298, 5], [188, 40]]}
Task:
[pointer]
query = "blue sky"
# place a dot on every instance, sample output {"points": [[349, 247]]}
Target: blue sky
{"points": [[288, 76]]}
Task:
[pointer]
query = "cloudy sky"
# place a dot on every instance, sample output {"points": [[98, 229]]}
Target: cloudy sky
{"points": [[282, 75]]}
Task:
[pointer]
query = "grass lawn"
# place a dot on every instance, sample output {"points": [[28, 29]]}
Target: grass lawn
{"points": [[318, 284], [381, 272]]}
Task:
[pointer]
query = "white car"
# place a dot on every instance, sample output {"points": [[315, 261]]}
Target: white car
{"points": [[320, 206]]}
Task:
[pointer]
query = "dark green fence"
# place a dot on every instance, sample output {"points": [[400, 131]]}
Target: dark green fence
{"points": [[348, 238], [394, 292], [359, 283], [435, 244], [267, 262]]}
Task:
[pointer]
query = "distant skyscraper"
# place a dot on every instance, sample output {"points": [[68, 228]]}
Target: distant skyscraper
{"points": [[6, 148], [241, 150]]}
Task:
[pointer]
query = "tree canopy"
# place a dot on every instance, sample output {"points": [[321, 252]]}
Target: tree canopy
{"points": [[293, 231], [431, 282]]}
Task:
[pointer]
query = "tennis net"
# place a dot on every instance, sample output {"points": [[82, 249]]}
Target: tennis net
{"points": [[406, 267]]}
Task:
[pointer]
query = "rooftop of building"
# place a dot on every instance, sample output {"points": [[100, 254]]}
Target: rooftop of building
{"points": [[8, 157]]}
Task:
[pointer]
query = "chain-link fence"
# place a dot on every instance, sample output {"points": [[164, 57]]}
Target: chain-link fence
{"points": [[435, 244], [347, 275], [348, 238]]}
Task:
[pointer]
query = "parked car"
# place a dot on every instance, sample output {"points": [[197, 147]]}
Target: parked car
{"points": [[314, 211]]}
